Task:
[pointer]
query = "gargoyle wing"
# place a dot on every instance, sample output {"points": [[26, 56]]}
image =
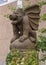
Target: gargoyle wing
{"points": [[33, 13]]}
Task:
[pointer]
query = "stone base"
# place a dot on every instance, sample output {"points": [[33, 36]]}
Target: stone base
{"points": [[27, 44]]}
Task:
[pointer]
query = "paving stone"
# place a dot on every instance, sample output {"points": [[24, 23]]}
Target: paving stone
{"points": [[2, 63]]}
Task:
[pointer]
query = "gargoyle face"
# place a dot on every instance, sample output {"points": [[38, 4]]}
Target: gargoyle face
{"points": [[13, 17], [18, 15]]}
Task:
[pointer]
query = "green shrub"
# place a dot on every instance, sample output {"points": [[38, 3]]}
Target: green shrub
{"points": [[41, 3], [17, 58], [43, 30], [43, 17], [41, 43]]}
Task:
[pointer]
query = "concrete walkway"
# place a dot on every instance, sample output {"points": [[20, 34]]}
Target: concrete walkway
{"points": [[2, 63]]}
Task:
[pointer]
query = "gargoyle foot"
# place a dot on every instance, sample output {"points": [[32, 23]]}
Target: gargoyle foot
{"points": [[22, 38], [13, 39]]}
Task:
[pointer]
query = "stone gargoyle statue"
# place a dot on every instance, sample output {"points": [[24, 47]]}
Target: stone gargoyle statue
{"points": [[25, 24]]}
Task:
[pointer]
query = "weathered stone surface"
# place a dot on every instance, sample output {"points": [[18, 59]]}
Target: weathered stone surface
{"points": [[2, 63], [6, 28], [27, 44]]}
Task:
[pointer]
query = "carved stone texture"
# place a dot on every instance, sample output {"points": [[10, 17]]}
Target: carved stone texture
{"points": [[22, 46], [25, 24]]}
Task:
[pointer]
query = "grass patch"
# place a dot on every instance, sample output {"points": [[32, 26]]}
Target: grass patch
{"points": [[41, 43]]}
